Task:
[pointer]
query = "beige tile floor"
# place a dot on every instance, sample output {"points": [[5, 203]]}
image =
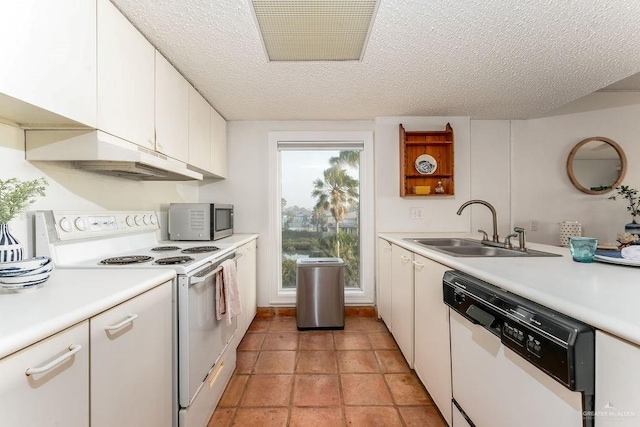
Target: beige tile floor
{"points": [[355, 377]]}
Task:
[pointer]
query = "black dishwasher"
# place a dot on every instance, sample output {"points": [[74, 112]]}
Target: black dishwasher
{"points": [[561, 347]]}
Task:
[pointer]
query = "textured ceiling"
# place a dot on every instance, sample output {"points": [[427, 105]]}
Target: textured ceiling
{"points": [[488, 59]]}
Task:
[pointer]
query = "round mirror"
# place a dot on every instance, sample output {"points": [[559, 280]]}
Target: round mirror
{"points": [[596, 165]]}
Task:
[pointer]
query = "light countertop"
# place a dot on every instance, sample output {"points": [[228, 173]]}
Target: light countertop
{"points": [[67, 298], [602, 295], [236, 240], [73, 295]]}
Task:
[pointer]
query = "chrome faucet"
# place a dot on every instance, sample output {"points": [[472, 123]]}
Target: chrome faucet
{"points": [[495, 238], [521, 238]]}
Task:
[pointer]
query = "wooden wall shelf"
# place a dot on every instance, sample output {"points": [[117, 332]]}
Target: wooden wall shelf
{"points": [[437, 144]]}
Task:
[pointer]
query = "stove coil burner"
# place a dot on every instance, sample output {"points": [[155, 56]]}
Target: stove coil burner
{"points": [[122, 260], [200, 249], [165, 248], [174, 260]]}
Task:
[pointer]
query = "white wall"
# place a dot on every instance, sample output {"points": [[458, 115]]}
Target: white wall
{"points": [[541, 189], [72, 189], [247, 183], [490, 174]]}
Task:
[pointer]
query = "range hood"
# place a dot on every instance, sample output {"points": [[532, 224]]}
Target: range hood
{"points": [[103, 153]]}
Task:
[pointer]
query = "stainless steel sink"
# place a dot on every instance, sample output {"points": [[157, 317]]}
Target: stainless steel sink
{"points": [[459, 247], [445, 241], [480, 251]]}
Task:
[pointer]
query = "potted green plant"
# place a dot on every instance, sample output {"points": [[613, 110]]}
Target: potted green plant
{"points": [[631, 195], [15, 196]]}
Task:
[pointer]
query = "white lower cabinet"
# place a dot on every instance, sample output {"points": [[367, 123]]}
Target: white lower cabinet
{"points": [[432, 344], [131, 365], [457, 418], [402, 300], [47, 383], [384, 282], [617, 382], [247, 284]]}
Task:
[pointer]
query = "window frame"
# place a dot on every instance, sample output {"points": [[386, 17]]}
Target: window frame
{"points": [[322, 140]]}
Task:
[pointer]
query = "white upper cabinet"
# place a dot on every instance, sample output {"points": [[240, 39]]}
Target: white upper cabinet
{"points": [[125, 78], [218, 145], [172, 111], [48, 56], [199, 131]]}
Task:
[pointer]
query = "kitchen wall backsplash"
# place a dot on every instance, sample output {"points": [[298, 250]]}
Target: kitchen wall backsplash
{"points": [[72, 189]]}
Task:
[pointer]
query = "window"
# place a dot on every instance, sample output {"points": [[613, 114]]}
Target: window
{"points": [[321, 206], [320, 210]]}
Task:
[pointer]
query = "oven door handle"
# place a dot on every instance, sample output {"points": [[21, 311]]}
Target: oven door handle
{"points": [[196, 279]]}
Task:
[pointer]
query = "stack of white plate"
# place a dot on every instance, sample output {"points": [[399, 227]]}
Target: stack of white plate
{"points": [[25, 274]]}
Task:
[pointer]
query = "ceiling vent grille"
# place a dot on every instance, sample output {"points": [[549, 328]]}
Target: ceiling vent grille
{"points": [[314, 30]]}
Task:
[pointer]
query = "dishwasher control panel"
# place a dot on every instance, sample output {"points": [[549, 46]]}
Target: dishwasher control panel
{"points": [[560, 346]]}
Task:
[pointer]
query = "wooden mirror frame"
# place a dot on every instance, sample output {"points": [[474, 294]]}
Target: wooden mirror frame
{"points": [[572, 154]]}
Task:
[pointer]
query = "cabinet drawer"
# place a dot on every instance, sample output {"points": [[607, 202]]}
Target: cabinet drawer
{"points": [[56, 391]]}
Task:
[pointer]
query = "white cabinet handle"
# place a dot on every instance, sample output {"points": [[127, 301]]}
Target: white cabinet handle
{"points": [[404, 257], [125, 322], [73, 349], [417, 264], [387, 248]]}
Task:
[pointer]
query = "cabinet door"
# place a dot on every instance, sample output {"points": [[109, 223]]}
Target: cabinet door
{"points": [[218, 145], [432, 349], [617, 379], [199, 131], [172, 111], [384, 282], [131, 362], [247, 283], [48, 53], [402, 300], [125, 78], [58, 396]]}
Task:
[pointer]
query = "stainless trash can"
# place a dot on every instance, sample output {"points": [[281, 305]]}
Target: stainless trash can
{"points": [[320, 293]]}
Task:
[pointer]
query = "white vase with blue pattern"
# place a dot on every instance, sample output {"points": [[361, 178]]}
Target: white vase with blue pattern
{"points": [[10, 248]]}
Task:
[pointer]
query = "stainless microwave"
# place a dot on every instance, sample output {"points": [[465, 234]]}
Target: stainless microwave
{"points": [[200, 221]]}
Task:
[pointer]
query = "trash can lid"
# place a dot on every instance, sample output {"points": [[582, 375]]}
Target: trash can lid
{"points": [[319, 261]]}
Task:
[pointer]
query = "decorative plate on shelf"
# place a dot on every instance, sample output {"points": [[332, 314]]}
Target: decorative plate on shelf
{"points": [[426, 164]]}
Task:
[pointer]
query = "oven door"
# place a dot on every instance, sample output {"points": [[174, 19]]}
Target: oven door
{"points": [[201, 338]]}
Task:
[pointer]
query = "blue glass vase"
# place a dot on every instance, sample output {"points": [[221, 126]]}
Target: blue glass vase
{"points": [[633, 227], [10, 248]]}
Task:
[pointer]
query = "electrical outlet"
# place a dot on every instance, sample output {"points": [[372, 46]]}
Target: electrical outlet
{"points": [[533, 225], [417, 213]]}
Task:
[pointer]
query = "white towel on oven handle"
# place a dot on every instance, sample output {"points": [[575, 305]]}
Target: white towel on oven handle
{"points": [[227, 292]]}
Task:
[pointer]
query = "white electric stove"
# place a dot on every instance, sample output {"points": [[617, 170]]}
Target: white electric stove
{"points": [[108, 239]]}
